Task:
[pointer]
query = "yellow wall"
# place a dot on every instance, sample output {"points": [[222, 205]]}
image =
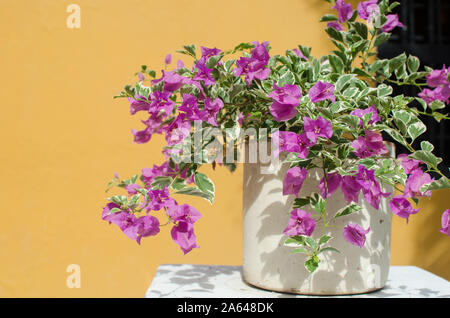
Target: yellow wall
{"points": [[63, 137]]}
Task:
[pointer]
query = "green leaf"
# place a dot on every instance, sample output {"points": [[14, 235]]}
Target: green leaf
{"points": [[191, 49], [235, 90], [349, 209], [381, 38], [243, 46], [311, 242], [299, 250], [334, 34], [194, 191], [397, 61], [384, 90], [426, 157], [361, 28], [436, 104], [442, 183], [142, 90], [318, 203], [416, 129], [204, 184], [351, 120], [413, 63], [324, 239], [351, 92], [300, 202], [398, 137], [422, 103], [213, 60], [286, 78], [336, 63], [114, 210], [426, 146], [342, 81], [328, 18], [332, 249], [178, 184], [161, 182], [312, 264], [296, 240]]}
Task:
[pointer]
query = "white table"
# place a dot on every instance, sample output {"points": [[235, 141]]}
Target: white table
{"points": [[214, 281]]}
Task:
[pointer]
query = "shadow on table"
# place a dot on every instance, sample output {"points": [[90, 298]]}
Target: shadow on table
{"points": [[199, 276]]}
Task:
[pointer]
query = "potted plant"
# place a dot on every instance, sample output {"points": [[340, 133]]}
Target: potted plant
{"points": [[320, 181]]}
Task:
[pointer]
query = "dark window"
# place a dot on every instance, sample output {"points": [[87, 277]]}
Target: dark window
{"points": [[427, 36]]}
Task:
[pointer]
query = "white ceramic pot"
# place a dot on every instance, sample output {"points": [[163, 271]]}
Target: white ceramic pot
{"points": [[268, 264]]}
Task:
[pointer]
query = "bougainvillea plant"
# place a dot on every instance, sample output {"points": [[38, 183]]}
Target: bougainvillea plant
{"points": [[335, 108]]}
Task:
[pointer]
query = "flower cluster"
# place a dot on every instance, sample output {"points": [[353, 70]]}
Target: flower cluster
{"points": [[324, 113], [438, 80]]}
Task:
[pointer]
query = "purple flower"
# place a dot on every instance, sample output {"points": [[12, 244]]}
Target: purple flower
{"points": [[361, 149], [138, 103], [203, 74], [134, 228], [285, 102], [299, 54], [190, 107], [335, 25], [333, 183], [350, 188], [374, 142], [168, 59], [183, 235], [361, 112], [132, 188], [160, 104], [428, 95], [179, 129], [146, 225], [159, 198], [374, 195], [401, 207], [345, 10], [355, 234], [304, 144], [172, 81], [210, 111], [184, 213], [255, 65], [180, 64], [149, 174], [285, 141], [369, 186], [369, 145], [317, 128], [141, 136], [415, 181], [291, 142], [391, 23], [365, 177], [437, 78], [208, 52], [300, 223], [445, 220], [408, 164], [322, 91], [368, 9], [293, 180]]}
